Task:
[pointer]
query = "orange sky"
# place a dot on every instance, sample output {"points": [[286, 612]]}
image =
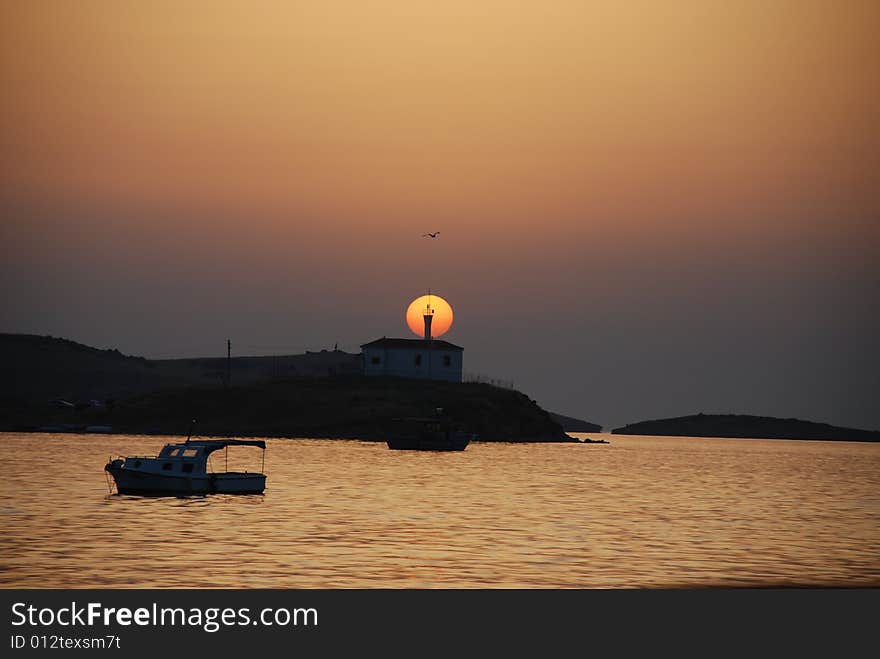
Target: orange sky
{"points": [[302, 148], [463, 111]]}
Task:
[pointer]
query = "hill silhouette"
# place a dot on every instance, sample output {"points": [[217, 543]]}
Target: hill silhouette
{"points": [[38, 368], [318, 394], [746, 426]]}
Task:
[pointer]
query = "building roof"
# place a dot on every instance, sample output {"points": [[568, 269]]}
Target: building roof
{"points": [[414, 344]]}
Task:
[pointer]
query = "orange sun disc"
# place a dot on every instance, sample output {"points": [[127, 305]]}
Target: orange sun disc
{"points": [[442, 316]]}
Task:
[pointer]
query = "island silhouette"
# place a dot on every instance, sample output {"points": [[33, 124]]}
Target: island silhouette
{"points": [[746, 426], [56, 385]]}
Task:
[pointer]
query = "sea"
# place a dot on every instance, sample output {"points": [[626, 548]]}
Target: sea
{"points": [[639, 512]]}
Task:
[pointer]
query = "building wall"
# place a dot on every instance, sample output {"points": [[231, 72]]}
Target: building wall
{"points": [[414, 363]]}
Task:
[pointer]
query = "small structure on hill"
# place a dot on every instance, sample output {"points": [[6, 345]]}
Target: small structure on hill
{"points": [[430, 359], [426, 358]]}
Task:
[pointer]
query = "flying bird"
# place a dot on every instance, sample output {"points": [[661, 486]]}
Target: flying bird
{"points": [[431, 235]]}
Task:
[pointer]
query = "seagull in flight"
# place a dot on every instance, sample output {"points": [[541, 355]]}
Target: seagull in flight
{"points": [[432, 235]]}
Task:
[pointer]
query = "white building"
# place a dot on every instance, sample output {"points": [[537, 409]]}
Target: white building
{"points": [[431, 359]]}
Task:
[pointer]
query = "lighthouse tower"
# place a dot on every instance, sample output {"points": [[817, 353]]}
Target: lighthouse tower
{"points": [[428, 316]]}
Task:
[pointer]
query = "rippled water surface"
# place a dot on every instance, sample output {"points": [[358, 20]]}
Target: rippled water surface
{"points": [[639, 512]]}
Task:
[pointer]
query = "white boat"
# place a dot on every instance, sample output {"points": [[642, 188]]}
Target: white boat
{"points": [[182, 469]]}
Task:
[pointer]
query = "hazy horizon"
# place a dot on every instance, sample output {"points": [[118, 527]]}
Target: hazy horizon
{"points": [[645, 210]]}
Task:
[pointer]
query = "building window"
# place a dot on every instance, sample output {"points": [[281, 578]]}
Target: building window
{"points": [[447, 360], [418, 360], [375, 360]]}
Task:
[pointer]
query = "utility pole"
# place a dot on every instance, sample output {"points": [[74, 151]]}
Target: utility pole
{"points": [[228, 362]]}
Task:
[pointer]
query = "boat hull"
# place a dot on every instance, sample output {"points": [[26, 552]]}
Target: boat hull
{"points": [[448, 442], [132, 481]]}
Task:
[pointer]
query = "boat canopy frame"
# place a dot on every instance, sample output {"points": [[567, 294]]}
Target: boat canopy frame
{"points": [[211, 445]]}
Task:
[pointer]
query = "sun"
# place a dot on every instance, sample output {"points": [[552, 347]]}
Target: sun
{"points": [[442, 316]]}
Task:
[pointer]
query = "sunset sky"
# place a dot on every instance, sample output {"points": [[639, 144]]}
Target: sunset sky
{"points": [[646, 209]]}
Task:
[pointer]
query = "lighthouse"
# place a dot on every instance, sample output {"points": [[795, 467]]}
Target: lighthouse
{"points": [[426, 357], [428, 316]]}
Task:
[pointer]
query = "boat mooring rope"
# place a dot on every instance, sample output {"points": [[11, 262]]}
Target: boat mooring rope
{"points": [[107, 476]]}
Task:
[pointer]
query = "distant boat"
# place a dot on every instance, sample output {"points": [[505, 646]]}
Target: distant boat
{"points": [[434, 433], [182, 469]]}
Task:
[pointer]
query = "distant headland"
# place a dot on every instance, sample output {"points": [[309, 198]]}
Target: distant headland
{"points": [[746, 426], [57, 384], [570, 424]]}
